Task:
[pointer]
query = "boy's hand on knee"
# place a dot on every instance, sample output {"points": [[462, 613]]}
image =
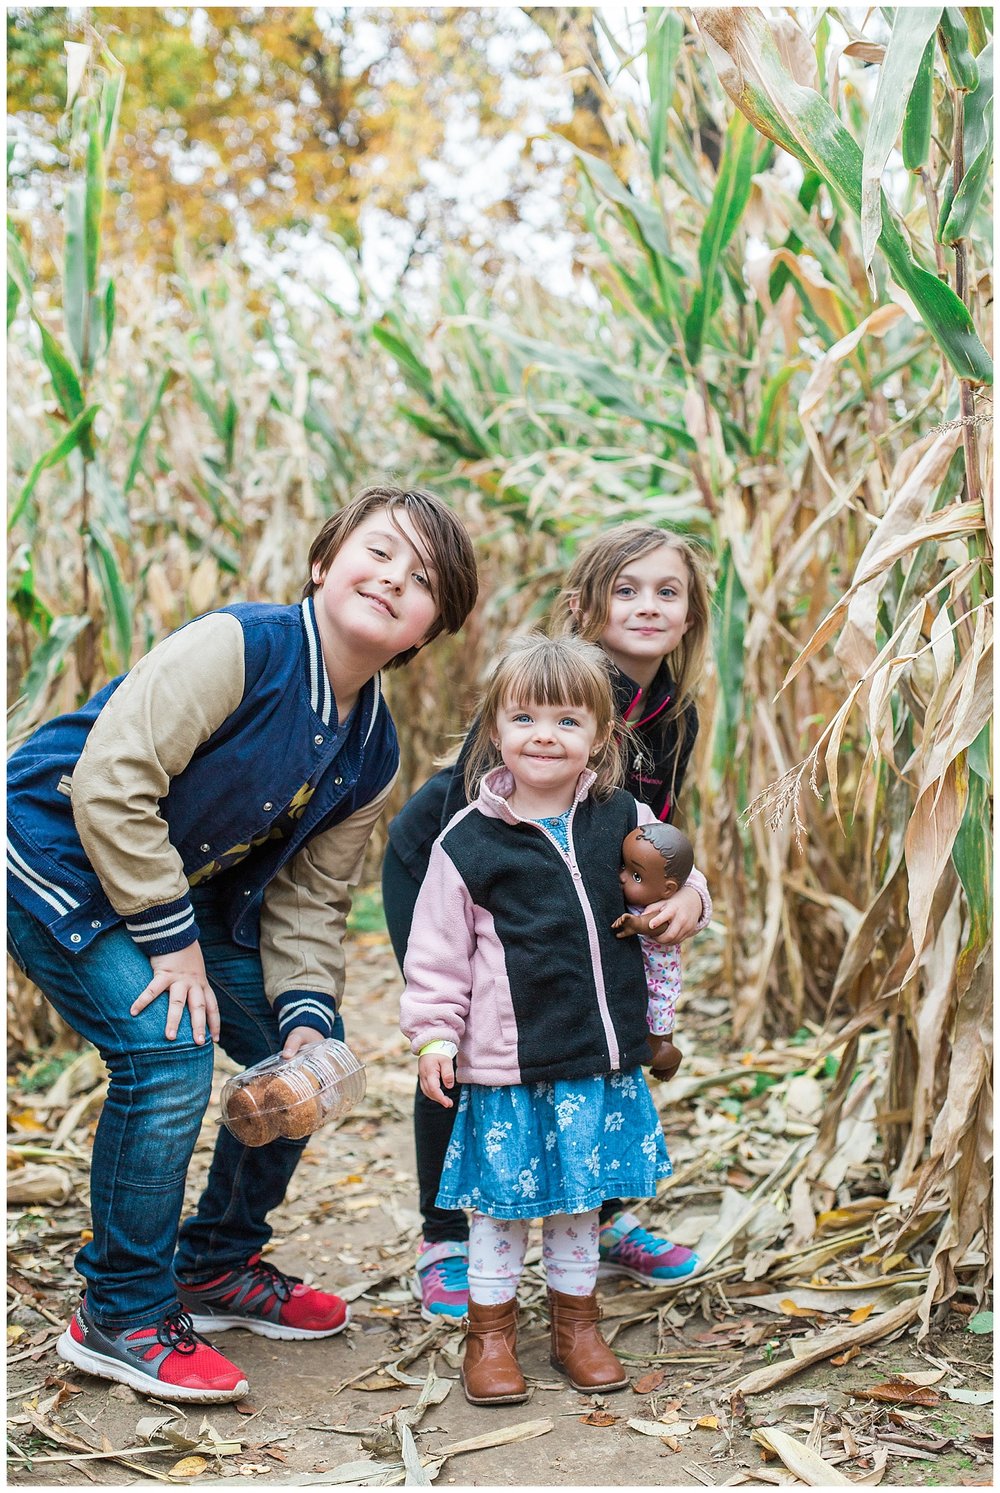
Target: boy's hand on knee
{"points": [[435, 1069], [299, 1037], [183, 975]]}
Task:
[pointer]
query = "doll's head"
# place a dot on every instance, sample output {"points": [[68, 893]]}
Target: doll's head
{"points": [[656, 862]]}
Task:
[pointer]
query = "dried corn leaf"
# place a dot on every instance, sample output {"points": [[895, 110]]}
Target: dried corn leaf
{"points": [[806, 1464]]}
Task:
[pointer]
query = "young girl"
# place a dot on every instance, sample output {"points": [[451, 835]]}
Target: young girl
{"points": [[513, 967], [193, 832], [639, 593]]}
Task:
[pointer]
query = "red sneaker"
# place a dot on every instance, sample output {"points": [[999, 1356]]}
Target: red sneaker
{"points": [[167, 1359], [263, 1300]]}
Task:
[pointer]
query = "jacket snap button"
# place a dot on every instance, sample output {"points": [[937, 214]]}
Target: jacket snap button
{"points": [[268, 807], [95, 924], [338, 781], [246, 893], [205, 849], [318, 740], [74, 938]]}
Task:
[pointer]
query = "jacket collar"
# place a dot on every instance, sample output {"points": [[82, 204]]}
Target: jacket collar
{"points": [[321, 696], [659, 695], [498, 785]]}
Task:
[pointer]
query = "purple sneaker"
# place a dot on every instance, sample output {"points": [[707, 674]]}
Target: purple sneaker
{"points": [[441, 1280], [626, 1248]]}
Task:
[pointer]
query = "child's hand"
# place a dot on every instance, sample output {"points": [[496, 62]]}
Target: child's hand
{"points": [[299, 1037], [435, 1069], [675, 919], [183, 974], [665, 1057]]}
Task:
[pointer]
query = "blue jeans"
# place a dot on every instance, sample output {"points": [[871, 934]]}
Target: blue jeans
{"points": [[152, 1114]]}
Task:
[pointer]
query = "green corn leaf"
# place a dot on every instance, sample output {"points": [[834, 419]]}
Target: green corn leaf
{"points": [[168, 377], [664, 35], [597, 378], [111, 96], [447, 437], [912, 30], [109, 313], [18, 267], [94, 196], [117, 602], [954, 36], [76, 436], [751, 69], [976, 19], [21, 590], [729, 200], [729, 618], [919, 117], [75, 300], [398, 348], [13, 299], [648, 220], [972, 854], [769, 403], [46, 662], [62, 374], [959, 208]]}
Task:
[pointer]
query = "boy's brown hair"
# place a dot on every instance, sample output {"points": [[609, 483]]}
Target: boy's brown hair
{"points": [[449, 552]]}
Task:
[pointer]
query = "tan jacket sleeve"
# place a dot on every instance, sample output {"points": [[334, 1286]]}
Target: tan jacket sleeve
{"points": [[304, 913], [147, 733]]}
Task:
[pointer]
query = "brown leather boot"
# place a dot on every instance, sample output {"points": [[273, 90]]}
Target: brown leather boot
{"points": [[491, 1374], [578, 1350]]}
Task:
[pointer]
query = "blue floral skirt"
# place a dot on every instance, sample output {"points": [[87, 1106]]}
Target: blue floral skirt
{"points": [[528, 1150]]}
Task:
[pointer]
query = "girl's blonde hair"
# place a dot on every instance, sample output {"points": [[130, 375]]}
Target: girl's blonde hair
{"points": [[584, 604], [538, 670]]}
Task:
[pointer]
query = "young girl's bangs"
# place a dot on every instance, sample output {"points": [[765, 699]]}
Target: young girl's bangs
{"points": [[555, 678]]}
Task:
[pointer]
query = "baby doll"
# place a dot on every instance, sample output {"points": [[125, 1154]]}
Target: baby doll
{"points": [[656, 861]]}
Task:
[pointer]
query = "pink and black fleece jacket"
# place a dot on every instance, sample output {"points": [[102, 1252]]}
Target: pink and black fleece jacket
{"points": [[511, 954]]}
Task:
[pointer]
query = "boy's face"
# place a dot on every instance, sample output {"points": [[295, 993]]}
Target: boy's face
{"points": [[377, 594], [643, 874]]}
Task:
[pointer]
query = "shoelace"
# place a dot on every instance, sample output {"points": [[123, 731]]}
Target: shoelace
{"points": [[453, 1273], [282, 1285], [649, 1242], [177, 1331]]}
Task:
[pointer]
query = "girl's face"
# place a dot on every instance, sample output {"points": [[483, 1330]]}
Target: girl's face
{"points": [[649, 610], [546, 747]]}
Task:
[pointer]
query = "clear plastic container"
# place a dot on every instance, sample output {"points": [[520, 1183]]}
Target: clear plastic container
{"points": [[292, 1097]]}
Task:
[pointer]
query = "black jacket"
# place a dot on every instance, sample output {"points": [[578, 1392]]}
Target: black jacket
{"points": [[655, 771]]}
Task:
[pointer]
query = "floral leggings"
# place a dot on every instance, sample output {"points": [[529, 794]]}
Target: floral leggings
{"points": [[497, 1247]]}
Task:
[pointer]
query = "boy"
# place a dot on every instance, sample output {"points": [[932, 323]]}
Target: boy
{"points": [[202, 820]]}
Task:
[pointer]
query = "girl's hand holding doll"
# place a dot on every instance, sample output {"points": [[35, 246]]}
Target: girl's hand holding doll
{"points": [[676, 918]]}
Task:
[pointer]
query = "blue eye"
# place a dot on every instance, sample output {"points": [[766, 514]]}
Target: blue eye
{"points": [[568, 720]]}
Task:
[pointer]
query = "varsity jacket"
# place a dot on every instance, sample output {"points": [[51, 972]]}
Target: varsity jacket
{"points": [[218, 757], [658, 760], [511, 954]]}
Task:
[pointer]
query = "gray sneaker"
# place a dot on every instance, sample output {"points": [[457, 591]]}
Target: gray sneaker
{"points": [[167, 1358]]}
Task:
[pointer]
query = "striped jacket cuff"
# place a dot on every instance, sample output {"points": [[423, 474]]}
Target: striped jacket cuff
{"points": [[305, 1008], [165, 928]]}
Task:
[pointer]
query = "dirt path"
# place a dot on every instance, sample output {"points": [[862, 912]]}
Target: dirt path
{"points": [[317, 1410]]}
